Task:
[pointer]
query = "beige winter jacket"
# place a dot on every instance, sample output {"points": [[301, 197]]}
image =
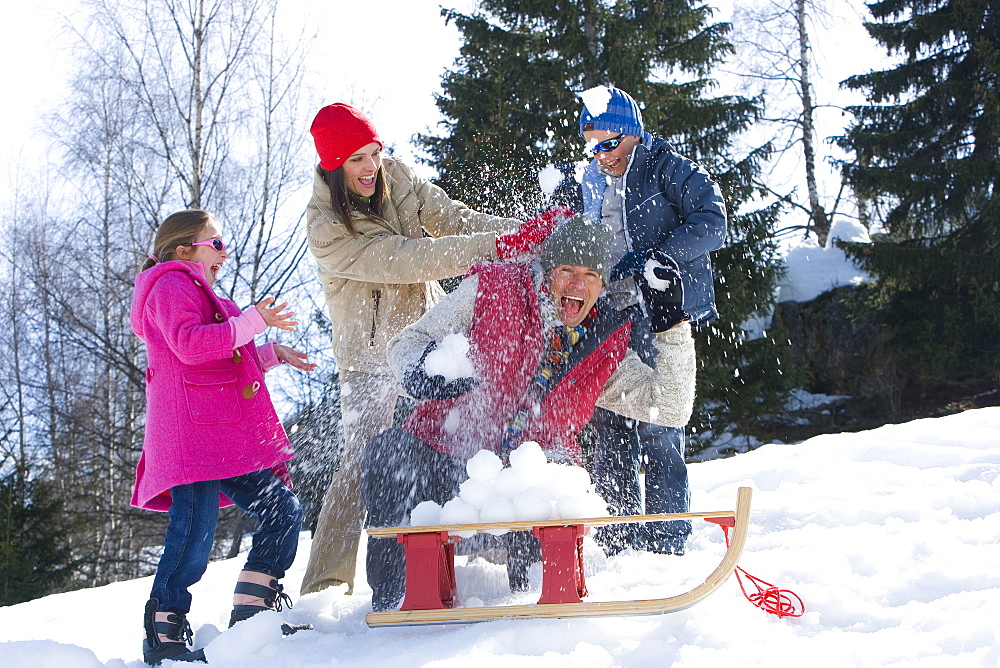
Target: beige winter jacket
{"points": [[384, 279]]}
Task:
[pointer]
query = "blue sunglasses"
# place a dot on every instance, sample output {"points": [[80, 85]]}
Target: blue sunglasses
{"points": [[608, 145]]}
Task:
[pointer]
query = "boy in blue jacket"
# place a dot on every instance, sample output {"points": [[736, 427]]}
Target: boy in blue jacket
{"points": [[656, 201]]}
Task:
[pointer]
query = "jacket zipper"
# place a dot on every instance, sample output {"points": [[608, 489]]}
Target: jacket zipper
{"points": [[376, 297]]}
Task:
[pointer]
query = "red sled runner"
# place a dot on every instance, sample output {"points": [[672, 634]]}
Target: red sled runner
{"points": [[430, 570]]}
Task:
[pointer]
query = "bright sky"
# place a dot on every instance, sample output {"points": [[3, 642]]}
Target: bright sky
{"points": [[384, 55]]}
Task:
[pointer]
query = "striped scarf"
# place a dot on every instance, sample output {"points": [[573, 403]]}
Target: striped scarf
{"points": [[557, 349]]}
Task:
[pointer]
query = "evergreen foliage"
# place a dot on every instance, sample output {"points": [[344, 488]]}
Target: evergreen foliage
{"points": [[35, 558], [511, 107], [928, 154]]}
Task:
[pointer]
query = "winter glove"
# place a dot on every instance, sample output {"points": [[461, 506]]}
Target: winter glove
{"points": [[630, 264], [662, 291], [419, 385], [531, 233]]}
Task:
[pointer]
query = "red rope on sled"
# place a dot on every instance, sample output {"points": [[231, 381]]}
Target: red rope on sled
{"points": [[780, 602]]}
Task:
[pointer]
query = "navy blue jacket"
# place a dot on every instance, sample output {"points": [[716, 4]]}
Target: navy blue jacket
{"points": [[672, 204]]}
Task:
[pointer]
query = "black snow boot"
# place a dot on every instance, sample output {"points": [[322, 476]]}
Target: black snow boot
{"points": [[167, 637], [256, 592]]}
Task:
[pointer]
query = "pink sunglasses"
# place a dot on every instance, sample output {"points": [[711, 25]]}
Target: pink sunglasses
{"points": [[214, 243]]}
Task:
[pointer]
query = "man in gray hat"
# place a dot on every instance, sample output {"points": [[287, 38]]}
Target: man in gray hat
{"points": [[544, 351]]}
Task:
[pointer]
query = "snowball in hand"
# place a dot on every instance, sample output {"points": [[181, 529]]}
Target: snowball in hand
{"points": [[450, 359], [652, 279]]}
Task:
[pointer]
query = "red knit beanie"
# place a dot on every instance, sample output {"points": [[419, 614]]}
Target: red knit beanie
{"points": [[339, 130]]}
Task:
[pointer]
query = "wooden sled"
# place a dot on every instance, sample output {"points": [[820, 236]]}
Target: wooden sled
{"points": [[430, 570]]}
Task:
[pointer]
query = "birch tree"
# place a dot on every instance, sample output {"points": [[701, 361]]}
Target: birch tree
{"points": [[775, 59], [175, 104]]}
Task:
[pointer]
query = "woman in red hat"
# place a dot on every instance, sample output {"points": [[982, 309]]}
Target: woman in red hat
{"points": [[382, 237]]}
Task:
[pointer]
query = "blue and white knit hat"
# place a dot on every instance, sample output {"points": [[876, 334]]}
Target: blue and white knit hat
{"points": [[621, 114]]}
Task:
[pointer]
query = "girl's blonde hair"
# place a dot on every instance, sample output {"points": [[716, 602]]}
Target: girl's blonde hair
{"points": [[178, 229]]}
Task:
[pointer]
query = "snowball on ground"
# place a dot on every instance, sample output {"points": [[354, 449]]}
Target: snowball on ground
{"points": [[245, 639], [450, 359]]}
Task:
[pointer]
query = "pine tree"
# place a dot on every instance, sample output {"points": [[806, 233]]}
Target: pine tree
{"points": [[35, 558], [511, 108], [928, 148]]}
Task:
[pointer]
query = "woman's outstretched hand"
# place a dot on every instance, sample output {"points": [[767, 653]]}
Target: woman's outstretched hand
{"points": [[273, 316], [531, 234], [293, 357]]}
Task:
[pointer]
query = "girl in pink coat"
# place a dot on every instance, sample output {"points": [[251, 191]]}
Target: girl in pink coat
{"points": [[212, 436]]}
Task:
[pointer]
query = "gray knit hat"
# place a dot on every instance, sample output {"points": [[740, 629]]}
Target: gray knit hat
{"points": [[580, 243]]}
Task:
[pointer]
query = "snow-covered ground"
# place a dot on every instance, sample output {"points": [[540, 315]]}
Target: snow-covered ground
{"points": [[891, 537]]}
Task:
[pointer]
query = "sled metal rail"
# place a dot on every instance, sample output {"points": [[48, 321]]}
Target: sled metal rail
{"points": [[739, 520]]}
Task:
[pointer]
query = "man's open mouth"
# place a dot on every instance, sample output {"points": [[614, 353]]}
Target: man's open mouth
{"points": [[570, 306]]}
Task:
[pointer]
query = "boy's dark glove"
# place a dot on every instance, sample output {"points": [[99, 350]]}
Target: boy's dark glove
{"points": [[630, 264], [419, 385], [664, 300]]}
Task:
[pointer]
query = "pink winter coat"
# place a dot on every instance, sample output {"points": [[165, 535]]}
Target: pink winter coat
{"points": [[208, 413]]}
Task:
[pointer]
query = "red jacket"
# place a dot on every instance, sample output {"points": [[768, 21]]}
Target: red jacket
{"points": [[506, 341]]}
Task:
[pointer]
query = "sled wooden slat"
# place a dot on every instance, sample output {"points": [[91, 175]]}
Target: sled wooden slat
{"points": [[738, 535], [392, 532]]}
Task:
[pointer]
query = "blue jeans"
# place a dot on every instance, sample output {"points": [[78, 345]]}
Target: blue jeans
{"points": [[194, 512], [623, 445]]}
